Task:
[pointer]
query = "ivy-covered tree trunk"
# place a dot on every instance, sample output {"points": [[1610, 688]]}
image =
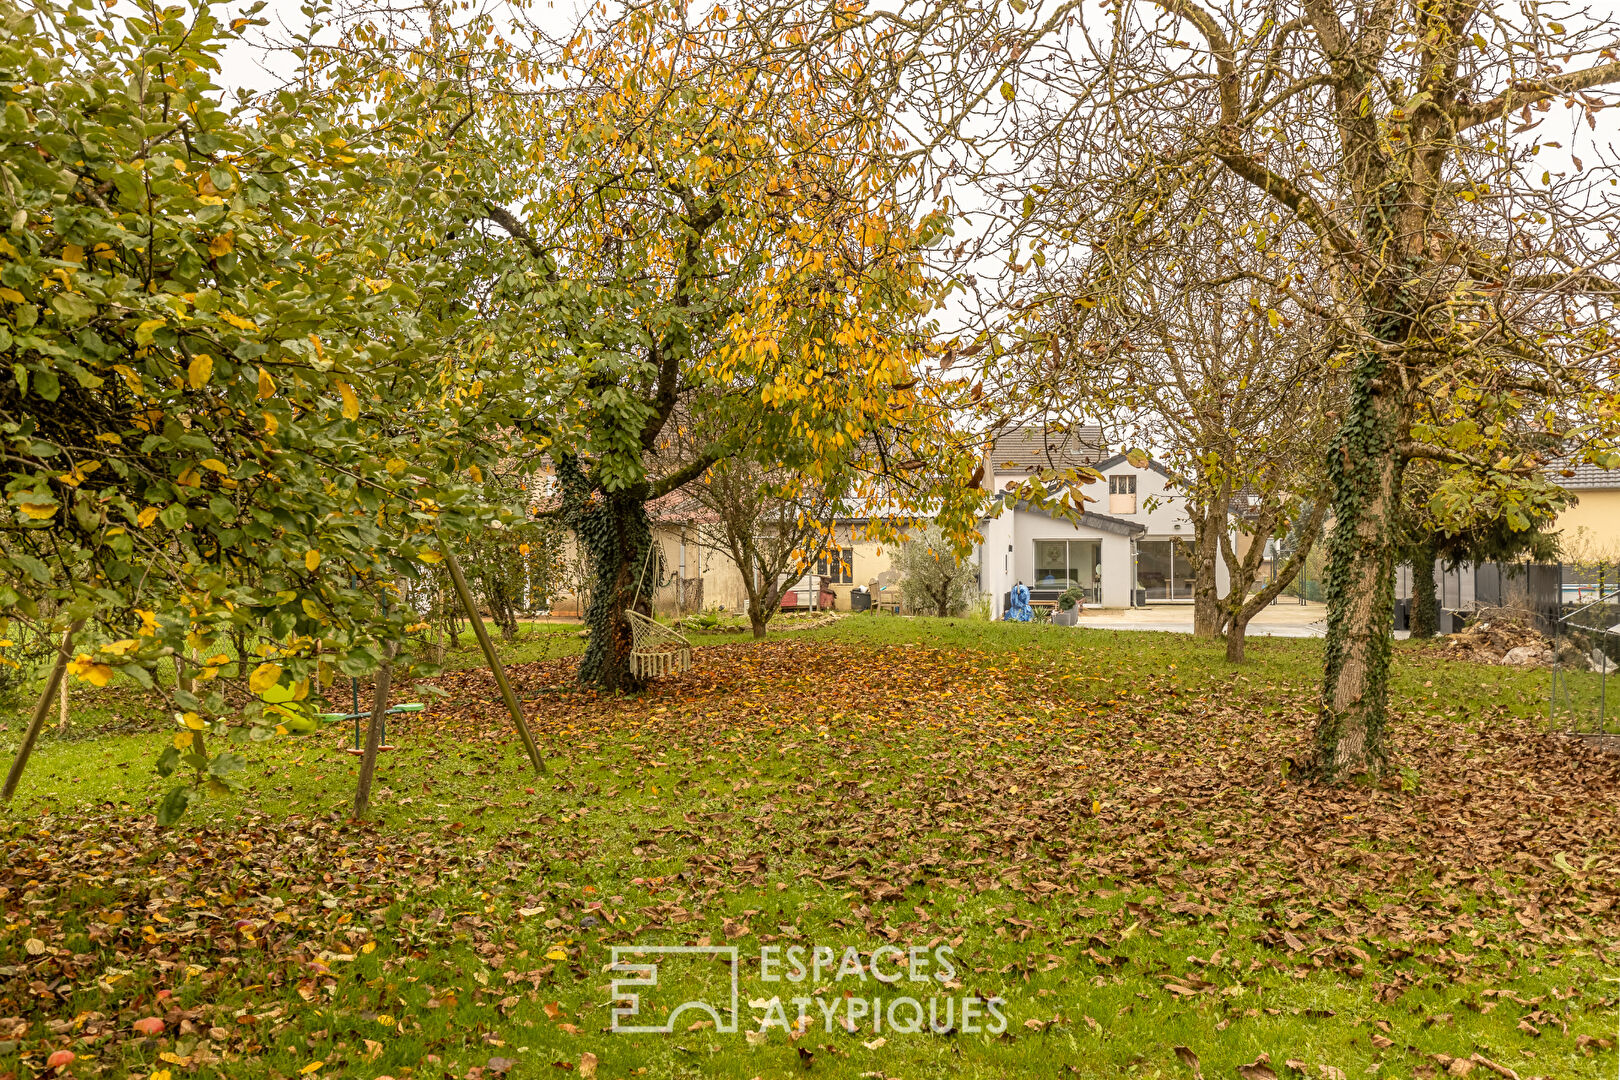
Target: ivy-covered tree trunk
{"points": [[1425, 617], [614, 533], [1364, 468]]}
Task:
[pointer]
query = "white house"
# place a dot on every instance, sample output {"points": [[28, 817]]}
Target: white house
{"points": [[1131, 546]]}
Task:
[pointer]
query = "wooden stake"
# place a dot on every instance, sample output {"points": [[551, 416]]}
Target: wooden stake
{"points": [[495, 667], [379, 709], [41, 711]]}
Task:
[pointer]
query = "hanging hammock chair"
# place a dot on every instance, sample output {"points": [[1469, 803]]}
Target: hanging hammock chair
{"points": [[655, 649]]}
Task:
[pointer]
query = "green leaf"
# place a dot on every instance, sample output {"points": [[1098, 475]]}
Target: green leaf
{"points": [[72, 306], [174, 804]]}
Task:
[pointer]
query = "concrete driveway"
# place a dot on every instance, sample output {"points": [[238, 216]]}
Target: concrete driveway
{"points": [[1288, 618]]}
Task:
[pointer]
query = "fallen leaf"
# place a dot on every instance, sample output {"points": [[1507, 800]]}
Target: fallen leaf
{"points": [[1258, 1069]]}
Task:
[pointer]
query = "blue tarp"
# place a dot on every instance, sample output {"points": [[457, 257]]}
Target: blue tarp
{"points": [[1019, 611]]}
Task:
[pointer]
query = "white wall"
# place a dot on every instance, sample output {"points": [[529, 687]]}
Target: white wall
{"points": [[1022, 529], [1159, 506], [1169, 506]]}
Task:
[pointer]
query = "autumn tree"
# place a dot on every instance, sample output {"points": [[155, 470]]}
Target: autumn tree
{"points": [[772, 524], [1178, 340], [643, 241], [1468, 279]]}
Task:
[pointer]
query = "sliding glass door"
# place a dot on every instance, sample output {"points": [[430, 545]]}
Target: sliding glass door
{"points": [[1164, 568], [1062, 564]]}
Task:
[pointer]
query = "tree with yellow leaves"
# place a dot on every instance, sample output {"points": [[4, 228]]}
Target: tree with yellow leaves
{"points": [[685, 242]]}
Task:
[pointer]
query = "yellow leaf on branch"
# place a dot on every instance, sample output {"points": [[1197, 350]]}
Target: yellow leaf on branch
{"points": [[85, 667], [351, 403], [198, 371], [264, 677]]}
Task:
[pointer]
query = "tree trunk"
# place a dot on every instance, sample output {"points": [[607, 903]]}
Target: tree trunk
{"points": [[757, 620], [1236, 638], [1237, 614], [1207, 614], [1364, 468], [1425, 615], [31, 733], [614, 531]]}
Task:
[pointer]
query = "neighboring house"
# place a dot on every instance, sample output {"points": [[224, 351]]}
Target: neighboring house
{"points": [[713, 580], [1589, 531], [1130, 546]]}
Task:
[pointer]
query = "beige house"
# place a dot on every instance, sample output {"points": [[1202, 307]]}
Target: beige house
{"points": [[1589, 530], [699, 575]]}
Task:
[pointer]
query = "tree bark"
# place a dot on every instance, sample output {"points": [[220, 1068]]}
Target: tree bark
{"points": [[1208, 618], [616, 534], [1364, 467], [1425, 615]]}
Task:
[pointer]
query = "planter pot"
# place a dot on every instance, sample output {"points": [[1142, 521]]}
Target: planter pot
{"points": [[1066, 618]]}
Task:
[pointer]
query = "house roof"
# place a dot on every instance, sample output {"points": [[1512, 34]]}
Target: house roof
{"points": [[1088, 519], [1031, 449], [1587, 476], [1117, 458]]}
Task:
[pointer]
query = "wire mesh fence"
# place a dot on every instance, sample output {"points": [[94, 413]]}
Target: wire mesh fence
{"points": [[1585, 698]]}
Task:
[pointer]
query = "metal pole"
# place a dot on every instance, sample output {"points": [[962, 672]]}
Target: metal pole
{"points": [[41, 711], [488, 646]]}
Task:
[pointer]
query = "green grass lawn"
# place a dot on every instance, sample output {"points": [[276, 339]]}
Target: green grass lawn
{"points": [[1107, 830]]}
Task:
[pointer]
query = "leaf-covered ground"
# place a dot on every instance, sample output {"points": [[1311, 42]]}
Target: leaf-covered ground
{"points": [[1104, 827]]}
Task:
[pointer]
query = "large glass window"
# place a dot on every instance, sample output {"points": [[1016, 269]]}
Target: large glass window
{"points": [[1060, 564], [1164, 568]]}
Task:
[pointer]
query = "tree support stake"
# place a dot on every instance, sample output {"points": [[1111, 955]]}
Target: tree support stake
{"points": [[47, 698], [379, 709], [495, 667]]}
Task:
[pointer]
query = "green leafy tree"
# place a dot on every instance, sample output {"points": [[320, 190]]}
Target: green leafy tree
{"points": [[220, 429], [1448, 519], [934, 576]]}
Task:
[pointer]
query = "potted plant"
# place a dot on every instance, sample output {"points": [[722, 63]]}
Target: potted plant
{"points": [[1069, 606]]}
